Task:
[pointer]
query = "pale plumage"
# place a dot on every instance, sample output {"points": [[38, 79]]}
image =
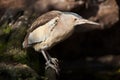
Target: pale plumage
{"points": [[51, 28]]}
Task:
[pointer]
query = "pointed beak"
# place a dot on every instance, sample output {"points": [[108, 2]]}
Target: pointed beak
{"points": [[86, 25], [85, 21]]}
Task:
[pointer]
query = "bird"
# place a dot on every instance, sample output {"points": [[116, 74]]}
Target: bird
{"points": [[51, 28]]}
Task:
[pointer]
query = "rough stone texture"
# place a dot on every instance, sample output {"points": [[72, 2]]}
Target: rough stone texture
{"points": [[17, 72]]}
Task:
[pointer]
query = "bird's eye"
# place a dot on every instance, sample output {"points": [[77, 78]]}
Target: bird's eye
{"points": [[75, 19]]}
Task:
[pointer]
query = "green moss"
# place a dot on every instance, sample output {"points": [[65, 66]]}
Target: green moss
{"points": [[2, 47], [18, 55], [11, 50], [7, 30], [22, 57]]}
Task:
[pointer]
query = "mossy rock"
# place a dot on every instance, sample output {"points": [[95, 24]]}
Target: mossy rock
{"points": [[17, 72]]}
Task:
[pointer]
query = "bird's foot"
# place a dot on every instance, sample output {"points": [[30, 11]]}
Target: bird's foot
{"points": [[53, 63]]}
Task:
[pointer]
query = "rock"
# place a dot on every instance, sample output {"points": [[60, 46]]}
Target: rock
{"points": [[17, 71]]}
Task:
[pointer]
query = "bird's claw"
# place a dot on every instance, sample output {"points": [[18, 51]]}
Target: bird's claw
{"points": [[53, 63]]}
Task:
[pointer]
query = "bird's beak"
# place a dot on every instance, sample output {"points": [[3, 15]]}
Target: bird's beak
{"points": [[85, 21], [86, 25]]}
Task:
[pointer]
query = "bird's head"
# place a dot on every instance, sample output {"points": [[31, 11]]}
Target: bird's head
{"points": [[76, 20]]}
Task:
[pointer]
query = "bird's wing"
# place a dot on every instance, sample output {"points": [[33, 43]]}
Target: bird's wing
{"points": [[44, 19], [41, 33], [39, 22]]}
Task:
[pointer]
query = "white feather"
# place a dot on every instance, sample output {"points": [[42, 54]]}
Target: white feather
{"points": [[42, 32]]}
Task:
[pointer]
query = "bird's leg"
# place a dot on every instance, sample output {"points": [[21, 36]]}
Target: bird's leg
{"points": [[50, 62]]}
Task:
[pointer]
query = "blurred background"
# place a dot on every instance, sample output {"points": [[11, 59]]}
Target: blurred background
{"points": [[90, 55]]}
